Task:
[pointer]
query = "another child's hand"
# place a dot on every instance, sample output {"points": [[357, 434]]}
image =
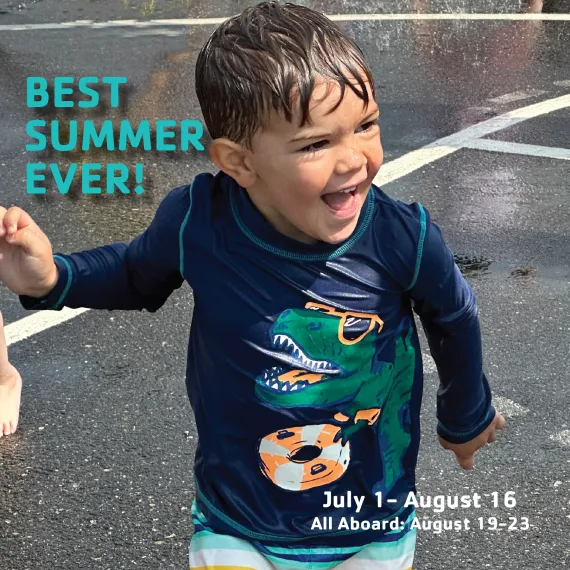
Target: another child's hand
{"points": [[10, 389], [26, 260], [465, 451]]}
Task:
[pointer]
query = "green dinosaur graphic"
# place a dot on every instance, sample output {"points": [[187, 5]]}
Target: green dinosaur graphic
{"points": [[330, 363]]}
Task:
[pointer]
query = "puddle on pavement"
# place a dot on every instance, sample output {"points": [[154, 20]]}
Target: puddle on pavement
{"points": [[472, 266], [10, 6], [554, 277], [523, 273]]}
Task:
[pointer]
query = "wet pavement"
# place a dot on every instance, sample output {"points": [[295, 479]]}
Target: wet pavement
{"points": [[20, 11], [99, 472]]}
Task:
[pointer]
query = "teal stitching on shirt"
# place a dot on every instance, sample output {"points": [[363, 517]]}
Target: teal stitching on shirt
{"points": [[276, 538], [69, 280], [182, 228], [307, 256], [420, 245]]}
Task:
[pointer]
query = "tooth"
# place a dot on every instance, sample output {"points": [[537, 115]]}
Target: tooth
{"points": [[267, 383], [284, 389], [294, 388], [275, 385]]}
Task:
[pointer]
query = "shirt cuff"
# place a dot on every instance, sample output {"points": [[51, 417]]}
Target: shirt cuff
{"points": [[465, 436], [54, 299]]}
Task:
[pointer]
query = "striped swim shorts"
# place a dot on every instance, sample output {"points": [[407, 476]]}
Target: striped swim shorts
{"points": [[211, 551]]}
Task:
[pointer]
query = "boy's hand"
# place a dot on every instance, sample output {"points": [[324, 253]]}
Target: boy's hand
{"points": [[26, 260], [10, 389], [465, 451]]}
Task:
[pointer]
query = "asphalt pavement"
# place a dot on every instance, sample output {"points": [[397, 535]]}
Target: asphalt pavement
{"points": [[99, 473]]}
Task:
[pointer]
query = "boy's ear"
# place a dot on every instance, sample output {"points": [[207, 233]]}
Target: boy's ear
{"points": [[231, 158]]}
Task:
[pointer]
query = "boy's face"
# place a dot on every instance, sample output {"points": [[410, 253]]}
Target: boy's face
{"points": [[311, 182]]}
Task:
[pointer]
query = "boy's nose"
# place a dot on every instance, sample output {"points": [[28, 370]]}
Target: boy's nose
{"points": [[350, 160]]}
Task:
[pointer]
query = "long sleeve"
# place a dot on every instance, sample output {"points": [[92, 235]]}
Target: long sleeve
{"points": [[447, 309], [139, 275]]}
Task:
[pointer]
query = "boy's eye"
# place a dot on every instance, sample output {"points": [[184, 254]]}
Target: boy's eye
{"points": [[367, 126], [314, 147]]}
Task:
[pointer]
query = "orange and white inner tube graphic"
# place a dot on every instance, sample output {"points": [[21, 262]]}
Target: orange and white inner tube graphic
{"points": [[301, 458]]}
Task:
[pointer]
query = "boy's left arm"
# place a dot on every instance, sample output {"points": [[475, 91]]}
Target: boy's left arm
{"points": [[447, 309]]}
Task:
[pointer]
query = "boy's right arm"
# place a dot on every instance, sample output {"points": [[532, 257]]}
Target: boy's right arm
{"points": [[139, 275]]}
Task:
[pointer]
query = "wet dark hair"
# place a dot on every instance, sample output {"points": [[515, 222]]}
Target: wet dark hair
{"points": [[269, 58]]}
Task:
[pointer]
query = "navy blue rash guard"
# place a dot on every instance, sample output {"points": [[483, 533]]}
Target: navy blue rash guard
{"points": [[304, 367]]}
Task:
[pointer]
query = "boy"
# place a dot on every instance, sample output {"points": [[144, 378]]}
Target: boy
{"points": [[10, 386], [304, 369]]}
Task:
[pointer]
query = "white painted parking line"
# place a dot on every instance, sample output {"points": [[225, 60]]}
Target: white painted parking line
{"points": [[505, 120], [516, 96], [412, 161], [389, 172], [417, 158], [562, 437], [457, 16], [336, 17], [518, 148], [565, 83], [508, 408], [37, 322]]}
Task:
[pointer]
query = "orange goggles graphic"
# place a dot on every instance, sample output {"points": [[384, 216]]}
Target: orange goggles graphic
{"points": [[352, 326]]}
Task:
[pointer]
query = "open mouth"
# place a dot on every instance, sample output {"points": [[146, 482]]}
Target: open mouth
{"points": [[271, 379], [288, 345], [300, 370], [342, 201]]}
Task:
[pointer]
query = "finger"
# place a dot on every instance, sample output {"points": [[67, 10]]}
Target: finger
{"points": [[16, 219], [500, 421], [23, 238], [11, 219], [3, 348], [2, 214], [466, 462]]}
